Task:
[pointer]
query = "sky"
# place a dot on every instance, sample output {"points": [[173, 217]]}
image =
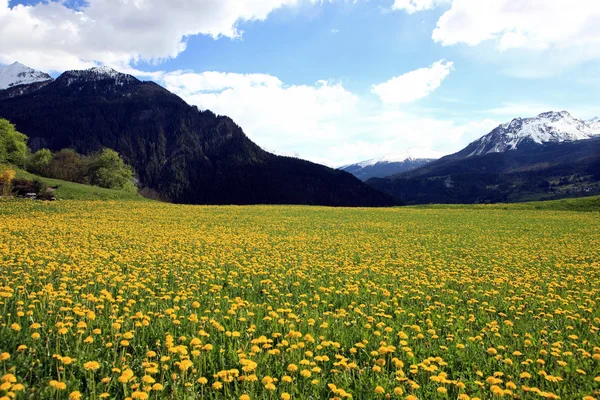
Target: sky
{"points": [[333, 81]]}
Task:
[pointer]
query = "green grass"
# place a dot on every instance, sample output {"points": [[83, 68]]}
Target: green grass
{"points": [[587, 204], [76, 191]]}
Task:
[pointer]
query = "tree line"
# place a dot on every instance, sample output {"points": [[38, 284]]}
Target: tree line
{"points": [[105, 168]]}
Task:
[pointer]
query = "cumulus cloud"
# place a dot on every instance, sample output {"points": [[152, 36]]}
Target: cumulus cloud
{"points": [[564, 32], [52, 36], [280, 117], [531, 24], [413, 85], [412, 6], [323, 122]]}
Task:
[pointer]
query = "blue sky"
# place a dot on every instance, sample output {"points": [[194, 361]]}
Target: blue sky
{"points": [[333, 81]]}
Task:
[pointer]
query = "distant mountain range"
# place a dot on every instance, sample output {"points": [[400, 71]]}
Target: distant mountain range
{"points": [[548, 127], [179, 153], [390, 164], [552, 155]]}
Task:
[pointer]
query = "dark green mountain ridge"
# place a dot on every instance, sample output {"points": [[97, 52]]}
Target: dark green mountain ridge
{"points": [[178, 152]]}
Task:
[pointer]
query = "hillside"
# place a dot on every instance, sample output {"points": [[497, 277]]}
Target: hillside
{"points": [[178, 152], [579, 204], [75, 191]]}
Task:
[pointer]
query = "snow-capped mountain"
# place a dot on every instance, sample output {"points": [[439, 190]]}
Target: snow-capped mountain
{"points": [[18, 74], [548, 127], [96, 74], [391, 164]]}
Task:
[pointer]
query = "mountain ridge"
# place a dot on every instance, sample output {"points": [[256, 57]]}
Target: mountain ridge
{"points": [[17, 74], [509, 164], [389, 164], [178, 152], [547, 127]]}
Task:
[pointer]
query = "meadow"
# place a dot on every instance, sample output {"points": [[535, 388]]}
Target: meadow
{"points": [[139, 300]]}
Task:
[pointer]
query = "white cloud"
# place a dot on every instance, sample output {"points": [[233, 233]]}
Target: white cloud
{"points": [[413, 85], [323, 122], [530, 24], [51, 36], [546, 36], [278, 116], [412, 6]]}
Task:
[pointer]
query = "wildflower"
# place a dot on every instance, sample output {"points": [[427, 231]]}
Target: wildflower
{"points": [[157, 387], [58, 385], [91, 365], [9, 378], [76, 395], [185, 365]]}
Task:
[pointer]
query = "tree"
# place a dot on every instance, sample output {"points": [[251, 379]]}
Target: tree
{"points": [[107, 169], [39, 162], [67, 165], [13, 144], [6, 177]]}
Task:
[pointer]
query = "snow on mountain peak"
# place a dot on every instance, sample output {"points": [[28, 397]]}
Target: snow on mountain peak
{"points": [[18, 74], [104, 70], [97, 74], [408, 155], [548, 127]]}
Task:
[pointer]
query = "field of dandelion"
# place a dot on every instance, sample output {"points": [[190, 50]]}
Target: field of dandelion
{"points": [[148, 300]]}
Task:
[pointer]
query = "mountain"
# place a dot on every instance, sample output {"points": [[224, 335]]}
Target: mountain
{"points": [[550, 156], [390, 164], [594, 123], [549, 127], [18, 74], [179, 153], [17, 79]]}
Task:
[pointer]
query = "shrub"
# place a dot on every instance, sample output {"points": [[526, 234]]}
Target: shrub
{"points": [[6, 177], [108, 170], [13, 144], [39, 162], [68, 165]]}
